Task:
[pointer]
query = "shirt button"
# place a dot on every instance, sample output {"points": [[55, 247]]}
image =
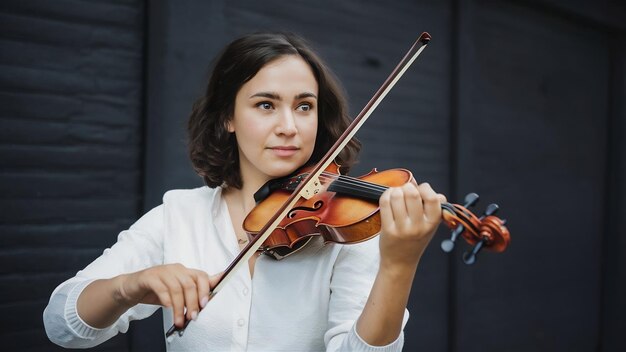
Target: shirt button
{"points": [[245, 291], [241, 322]]}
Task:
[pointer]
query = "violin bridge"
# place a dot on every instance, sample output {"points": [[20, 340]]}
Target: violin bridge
{"points": [[314, 187]]}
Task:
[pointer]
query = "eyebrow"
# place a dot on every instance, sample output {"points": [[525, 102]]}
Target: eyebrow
{"points": [[276, 96]]}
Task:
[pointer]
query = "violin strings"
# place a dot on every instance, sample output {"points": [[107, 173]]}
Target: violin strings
{"points": [[352, 187], [351, 183], [347, 183], [376, 189], [343, 179]]}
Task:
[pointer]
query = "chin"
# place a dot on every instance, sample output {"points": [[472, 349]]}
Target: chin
{"points": [[282, 171]]}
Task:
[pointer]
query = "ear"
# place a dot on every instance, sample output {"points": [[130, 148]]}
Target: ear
{"points": [[229, 126]]}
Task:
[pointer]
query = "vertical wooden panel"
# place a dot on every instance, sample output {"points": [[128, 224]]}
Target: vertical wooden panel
{"points": [[534, 115], [614, 254], [70, 149]]}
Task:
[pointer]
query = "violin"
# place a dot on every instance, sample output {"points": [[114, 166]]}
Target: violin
{"points": [[345, 210], [286, 217]]}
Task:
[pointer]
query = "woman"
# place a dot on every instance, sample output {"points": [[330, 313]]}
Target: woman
{"points": [[271, 106]]}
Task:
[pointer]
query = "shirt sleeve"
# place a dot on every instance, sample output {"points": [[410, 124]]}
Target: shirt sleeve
{"points": [[353, 276], [139, 247]]}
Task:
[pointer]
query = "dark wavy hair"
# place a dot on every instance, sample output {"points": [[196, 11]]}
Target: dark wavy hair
{"points": [[213, 150]]}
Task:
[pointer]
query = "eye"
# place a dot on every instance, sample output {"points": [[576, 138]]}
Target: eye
{"points": [[265, 105], [305, 107]]}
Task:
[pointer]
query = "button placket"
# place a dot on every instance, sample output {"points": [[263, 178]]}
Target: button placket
{"points": [[242, 313]]}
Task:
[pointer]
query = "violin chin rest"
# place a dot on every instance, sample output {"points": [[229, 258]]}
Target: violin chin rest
{"points": [[281, 252]]}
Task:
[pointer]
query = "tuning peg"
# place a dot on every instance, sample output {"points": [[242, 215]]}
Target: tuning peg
{"points": [[491, 209], [448, 245], [470, 199], [469, 257]]}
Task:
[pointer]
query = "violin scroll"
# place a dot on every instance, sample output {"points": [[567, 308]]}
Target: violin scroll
{"points": [[487, 231]]}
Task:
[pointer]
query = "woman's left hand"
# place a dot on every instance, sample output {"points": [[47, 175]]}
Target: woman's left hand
{"points": [[409, 217]]}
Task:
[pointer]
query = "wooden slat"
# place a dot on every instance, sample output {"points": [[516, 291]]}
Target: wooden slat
{"points": [[68, 184], [529, 107], [62, 235], [70, 149]]}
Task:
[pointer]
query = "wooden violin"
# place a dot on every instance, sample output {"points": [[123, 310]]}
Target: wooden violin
{"points": [[344, 209]]}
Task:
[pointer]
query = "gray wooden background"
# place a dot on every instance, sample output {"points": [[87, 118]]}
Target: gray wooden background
{"points": [[519, 101]]}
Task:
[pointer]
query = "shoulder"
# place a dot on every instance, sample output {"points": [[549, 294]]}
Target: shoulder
{"points": [[199, 194], [191, 199], [188, 194]]}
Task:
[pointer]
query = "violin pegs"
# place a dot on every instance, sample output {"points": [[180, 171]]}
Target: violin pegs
{"points": [[470, 199], [491, 209], [503, 221], [448, 245], [469, 257]]}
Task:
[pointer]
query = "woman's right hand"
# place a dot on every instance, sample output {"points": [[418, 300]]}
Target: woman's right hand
{"points": [[184, 290]]}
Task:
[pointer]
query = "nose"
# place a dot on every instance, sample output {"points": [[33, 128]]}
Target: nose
{"points": [[286, 124]]}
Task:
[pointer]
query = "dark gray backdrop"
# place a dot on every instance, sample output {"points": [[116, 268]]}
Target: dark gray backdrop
{"points": [[520, 101]]}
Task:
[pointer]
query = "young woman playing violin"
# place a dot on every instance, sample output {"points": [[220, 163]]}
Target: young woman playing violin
{"points": [[271, 107]]}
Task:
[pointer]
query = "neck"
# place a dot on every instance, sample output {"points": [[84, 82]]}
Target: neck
{"points": [[243, 198]]}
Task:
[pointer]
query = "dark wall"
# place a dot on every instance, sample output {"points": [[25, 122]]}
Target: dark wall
{"points": [[70, 152], [534, 137], [612, 321], [519, 101]]}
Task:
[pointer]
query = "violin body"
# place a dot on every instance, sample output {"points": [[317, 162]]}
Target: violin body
{"points": [[337, 216]]}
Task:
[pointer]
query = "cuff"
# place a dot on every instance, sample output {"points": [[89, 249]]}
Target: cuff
{"points": [[355, 342], [78, 326]]}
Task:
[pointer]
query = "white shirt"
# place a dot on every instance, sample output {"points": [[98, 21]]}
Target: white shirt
{"points": [[307, 301]]}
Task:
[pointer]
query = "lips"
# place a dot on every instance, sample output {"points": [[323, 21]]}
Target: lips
{"points": [[288, 147], [283, 151]]}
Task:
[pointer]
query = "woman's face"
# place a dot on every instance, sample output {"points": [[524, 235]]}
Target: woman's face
{"points": [[275, 119]]}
